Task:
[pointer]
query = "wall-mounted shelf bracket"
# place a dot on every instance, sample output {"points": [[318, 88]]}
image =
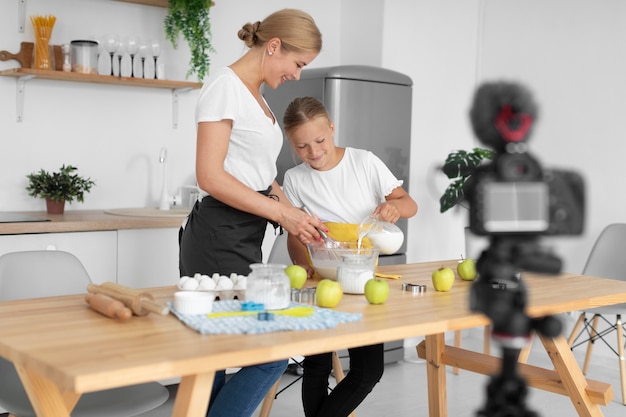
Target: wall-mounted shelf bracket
{"points": [[21, 87], [175, 93], [21, 15]]}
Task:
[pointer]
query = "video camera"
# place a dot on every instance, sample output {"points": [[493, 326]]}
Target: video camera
{"points": [[514, 201], [513, 194]]}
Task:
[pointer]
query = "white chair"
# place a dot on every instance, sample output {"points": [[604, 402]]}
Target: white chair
{"points": [[33, 274], [606, 260]]}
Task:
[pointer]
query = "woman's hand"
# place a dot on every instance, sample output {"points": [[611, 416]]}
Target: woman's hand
{"points": [[301, 225]]}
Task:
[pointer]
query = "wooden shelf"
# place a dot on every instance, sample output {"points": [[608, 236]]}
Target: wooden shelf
{"points": [[22, 75], [99, 79], [158, 3]]}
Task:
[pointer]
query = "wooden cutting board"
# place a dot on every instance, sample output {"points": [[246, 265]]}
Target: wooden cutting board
{"points": [[25, 56]]}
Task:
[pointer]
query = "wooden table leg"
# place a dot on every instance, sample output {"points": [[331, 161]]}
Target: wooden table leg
{"points": [[436, 376], [192, 398], [44, 395], [571, 376]]}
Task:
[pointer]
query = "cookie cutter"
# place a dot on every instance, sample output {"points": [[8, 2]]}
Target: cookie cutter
{"points": [[414, 288]]}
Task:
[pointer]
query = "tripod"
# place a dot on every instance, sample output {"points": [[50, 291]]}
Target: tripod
{"points": [[501, 295]]}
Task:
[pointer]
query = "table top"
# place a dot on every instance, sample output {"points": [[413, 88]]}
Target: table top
{"points": [[62, 339]]}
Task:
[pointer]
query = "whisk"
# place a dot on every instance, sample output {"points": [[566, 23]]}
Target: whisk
{"points": [[329, 242]]}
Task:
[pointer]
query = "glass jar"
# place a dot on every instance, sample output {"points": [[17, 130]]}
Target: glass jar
{"points": [[356, 269], [268, 284], [84, 57]]}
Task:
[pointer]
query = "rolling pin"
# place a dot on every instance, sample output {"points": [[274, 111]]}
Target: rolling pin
{"points": [[108, 306], [141, 303]]}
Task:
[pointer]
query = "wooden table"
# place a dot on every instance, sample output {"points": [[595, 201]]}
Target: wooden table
{"points": [[61, 348]]}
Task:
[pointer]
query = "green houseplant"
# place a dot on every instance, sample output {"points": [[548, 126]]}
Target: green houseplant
{"points": [[191, 18], [458, 167], [58, 187]]}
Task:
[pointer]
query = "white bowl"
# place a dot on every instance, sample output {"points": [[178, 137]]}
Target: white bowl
{"points": [[193, 302]]}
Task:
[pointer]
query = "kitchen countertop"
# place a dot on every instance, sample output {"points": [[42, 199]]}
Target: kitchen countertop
{"points": [[91, 220]]}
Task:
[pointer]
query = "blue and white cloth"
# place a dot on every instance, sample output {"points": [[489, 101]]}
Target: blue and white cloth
{"points": [[322, 318]]}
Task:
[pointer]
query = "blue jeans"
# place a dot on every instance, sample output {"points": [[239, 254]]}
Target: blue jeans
{"points": [[244, 391]]}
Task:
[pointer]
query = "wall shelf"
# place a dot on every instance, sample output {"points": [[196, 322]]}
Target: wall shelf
{"points": [[24, 74]]}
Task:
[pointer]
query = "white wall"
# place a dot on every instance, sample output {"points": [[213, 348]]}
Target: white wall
{"points": [[569, 52]]}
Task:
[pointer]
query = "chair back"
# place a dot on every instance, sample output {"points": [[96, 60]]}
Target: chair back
{"points": [[279, 253], [607, 259], [41, 273]]}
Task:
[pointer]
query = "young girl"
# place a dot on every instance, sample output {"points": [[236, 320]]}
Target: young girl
{"points": [[341, 186]]}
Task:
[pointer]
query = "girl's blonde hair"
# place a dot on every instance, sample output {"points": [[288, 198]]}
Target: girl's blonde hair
{"points": [[296, 30], [301, 110]]}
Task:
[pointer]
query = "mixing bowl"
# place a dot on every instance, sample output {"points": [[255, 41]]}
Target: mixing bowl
{"points": [[325, 260]]}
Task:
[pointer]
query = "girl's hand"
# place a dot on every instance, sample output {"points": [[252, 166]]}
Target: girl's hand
{"points": [[387, 212]]}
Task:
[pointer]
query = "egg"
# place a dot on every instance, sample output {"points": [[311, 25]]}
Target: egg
{"points": [[182, 281], [190, 285], [241, 282], [225, 283], [207, 284]]}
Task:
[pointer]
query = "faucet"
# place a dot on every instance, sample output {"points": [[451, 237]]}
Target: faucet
{"points": [[164, 203]]}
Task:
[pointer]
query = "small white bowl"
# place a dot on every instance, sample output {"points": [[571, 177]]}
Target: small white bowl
{"points": [[193, 302]]}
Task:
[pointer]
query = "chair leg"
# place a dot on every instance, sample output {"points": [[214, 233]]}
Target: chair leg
{"points": [[620, 348], [525, 352], [339, 375], [572, 335], [268, 401], [593, 335]]}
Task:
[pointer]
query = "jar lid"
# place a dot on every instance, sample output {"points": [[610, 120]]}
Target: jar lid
{"points": [[84, 43]]}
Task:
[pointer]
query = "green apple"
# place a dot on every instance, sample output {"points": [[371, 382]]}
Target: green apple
{"points": [[376, 291], [328, 293], [297, 276], [443, 278], [466, 269]]}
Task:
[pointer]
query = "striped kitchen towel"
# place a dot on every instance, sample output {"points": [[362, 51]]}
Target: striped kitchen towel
{"points": [[322, 318]]}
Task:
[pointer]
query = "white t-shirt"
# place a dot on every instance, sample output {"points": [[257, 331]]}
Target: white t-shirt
{"points": [[345, 194], [255, 141]]}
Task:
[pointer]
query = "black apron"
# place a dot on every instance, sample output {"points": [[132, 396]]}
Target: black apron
{"points": [[219, 238]]}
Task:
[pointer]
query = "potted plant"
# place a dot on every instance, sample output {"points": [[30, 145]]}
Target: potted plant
{"points": [[191, 18], [458, 167], [58, 187]]}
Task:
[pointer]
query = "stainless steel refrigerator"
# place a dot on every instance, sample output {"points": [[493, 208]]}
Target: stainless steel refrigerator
{"points": [[371, 108]]}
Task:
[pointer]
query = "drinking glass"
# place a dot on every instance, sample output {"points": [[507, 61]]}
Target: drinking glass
{"points": [[121, 50], [111, 43], [143, 53], [156, 51], [132, 45]]}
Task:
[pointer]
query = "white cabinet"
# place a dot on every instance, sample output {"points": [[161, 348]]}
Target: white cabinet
{"points": [[147, 257], [96, 250]]}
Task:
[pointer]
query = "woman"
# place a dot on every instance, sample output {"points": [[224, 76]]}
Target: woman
{"points": [[343, 186], [238, 142]]}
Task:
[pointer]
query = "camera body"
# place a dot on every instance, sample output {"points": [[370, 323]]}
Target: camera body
{"points": [[514, 195]]}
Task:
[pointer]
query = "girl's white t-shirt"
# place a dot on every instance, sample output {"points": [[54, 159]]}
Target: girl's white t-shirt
{"points": [[255, 140], [347, 193]]}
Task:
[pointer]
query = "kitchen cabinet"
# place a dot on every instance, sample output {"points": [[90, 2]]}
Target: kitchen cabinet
{"points": [[96, 250], [147, 257]]}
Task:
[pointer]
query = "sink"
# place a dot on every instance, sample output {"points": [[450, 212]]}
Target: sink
{"points": [[149, 212]]}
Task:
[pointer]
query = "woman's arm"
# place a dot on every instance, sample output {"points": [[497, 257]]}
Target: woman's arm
{"points": [[211, 148]]}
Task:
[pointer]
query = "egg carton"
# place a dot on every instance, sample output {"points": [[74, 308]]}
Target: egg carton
{"points": [[222, 286]]}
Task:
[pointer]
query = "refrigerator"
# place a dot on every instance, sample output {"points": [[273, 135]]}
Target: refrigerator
{"points": [[371, 108]]}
